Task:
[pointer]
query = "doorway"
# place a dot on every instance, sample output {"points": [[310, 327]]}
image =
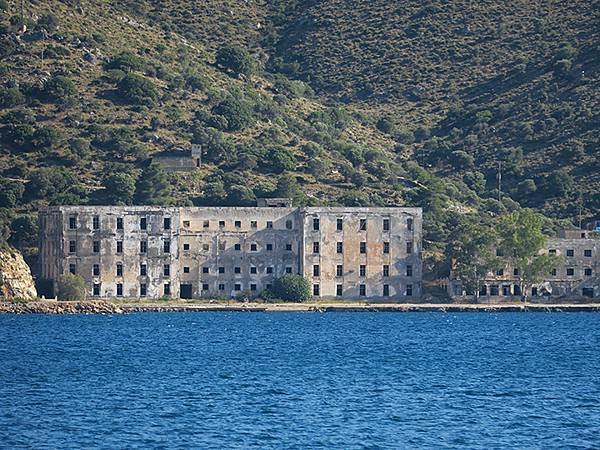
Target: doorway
{"points": [[185, 291]]}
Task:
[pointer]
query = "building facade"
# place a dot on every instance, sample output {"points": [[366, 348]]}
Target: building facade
{"points": [[217, 252], [578, 275]]}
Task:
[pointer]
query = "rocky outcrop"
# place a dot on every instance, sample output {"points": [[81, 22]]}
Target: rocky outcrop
{"points": [[59, 307], [15, 276]]}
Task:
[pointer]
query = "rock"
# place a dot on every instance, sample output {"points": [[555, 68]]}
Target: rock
{"points": [[15, 276]]}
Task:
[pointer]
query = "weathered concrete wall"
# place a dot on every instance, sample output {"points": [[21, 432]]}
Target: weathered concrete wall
{"points": [[220, 252]]}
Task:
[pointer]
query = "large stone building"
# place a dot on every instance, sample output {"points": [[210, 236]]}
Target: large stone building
{"points": [[212, 252], [577, 276]]}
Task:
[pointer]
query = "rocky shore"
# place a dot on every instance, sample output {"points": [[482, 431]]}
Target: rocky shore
{"points": [[59, 307]]}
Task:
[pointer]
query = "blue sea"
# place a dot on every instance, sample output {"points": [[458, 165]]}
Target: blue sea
{"points": [[301, 380]]}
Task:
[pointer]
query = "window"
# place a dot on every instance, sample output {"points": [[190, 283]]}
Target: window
{"points": [[222, 245], [316, 270], [143, 246], [96, 223], [96, 289], [166, 270], [587, 272], [269, 247], [386, 270], [205, 286], [552, 251], [340, 224], [205, 224], [409, 270], [96, 270], [288, 247], [167, 223], [205, 270], [119, 246], [339, 270], [96, 246], [186, 224], [386, 247], [186, 269], [269, 224], [409, 290], [238, 224], [253, 247], [167, 289], [221, 269], [253, 269], [362, 290], [237, 247], [386, 290], [143, 270], [221, 224], [587, 253], [409, 247], [221, 286], [570, 252], [237, 287], [386, 224], [167, 246], [72, 223], [269, 269], [316, 290], [363, 247], [587, 292], [119, 270], [516, 272], [119, 223], [315, 247], [362, 270], [253, 287], [553, 272], [288, 269], [316, 224], [237, 270], [409, 224], [499, 252], [362, 226], [339, 290], [570, 271], [72, 246], [253, 224], [186, 247], [340, 247], [500, 272], [205, 247], [143, 223], [143, 289], [119, 290], [72, 269], [288, 224]]}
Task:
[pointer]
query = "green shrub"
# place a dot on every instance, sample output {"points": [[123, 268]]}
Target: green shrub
{"points": [[237, 113], [11, 192], [292, 288], [58, 89], [47, 137], [153, 187], [138, 90], [385, 125], [236, 59], [119, 189], [280, 160], [71, 287], [49, 22], [24, 232], [126, 62], [11, 97]]}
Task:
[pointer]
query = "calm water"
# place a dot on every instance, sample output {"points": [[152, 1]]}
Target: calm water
{"points": [[279, 380]]}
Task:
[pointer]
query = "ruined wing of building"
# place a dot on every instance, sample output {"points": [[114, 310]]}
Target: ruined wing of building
{"points": [[578, 276], [214, 252]]}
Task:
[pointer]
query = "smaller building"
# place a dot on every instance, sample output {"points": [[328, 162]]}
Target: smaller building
{"points": [[180, 159], [577, 277]]}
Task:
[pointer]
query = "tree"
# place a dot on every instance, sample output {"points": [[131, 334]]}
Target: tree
{"points": [[24, 232], [119, 189], [236, 59], [71, 287], [288, 187], [152, 187], [292, 288], [521, 240], [280, 159], [11, 192], [471, 254], [237, 113], [10, 97], [238, 195], [59, 89], [138, 89]]}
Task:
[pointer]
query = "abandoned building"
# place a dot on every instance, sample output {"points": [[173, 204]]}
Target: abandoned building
{"points": [[578, 275], [222, 252], [180, 159]]}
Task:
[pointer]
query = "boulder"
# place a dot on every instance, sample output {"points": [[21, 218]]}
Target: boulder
{"points": [[15, 276]]}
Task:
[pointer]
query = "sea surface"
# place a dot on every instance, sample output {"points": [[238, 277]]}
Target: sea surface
{"points": [[301, 380]]}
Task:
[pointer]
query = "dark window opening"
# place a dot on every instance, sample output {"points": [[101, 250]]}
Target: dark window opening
{"points": [[221, 269], [386, 224], [143, 223], [72, 246], [72, 223], [386, 247], [119, 290], [570, 271], [143, 270], [363, 247], [570, 252], [237, 247], [96, 270], [167, 223], [96, 246], [362, 270], [316, 290], [386, 290], [238, 224], [409, 270], [72, 269], [386, 270], [362, 225], [119, 246], [269, 269], [288, 224], [166, 270], [119, 223], [237, 270], [269, 224], [362, 290], [409, 290], [269, 247], [119, 270], [339, 289], [316, 270], [409, 247], [143, 290], [167, 246], [96, 223], [143, 246], [340, 224], [167, 289], [315, 247], [409, 224], [96, 289], [186, 269], [339, 270], [185, 291]]}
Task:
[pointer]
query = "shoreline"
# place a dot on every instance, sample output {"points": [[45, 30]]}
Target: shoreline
{"points": [[105, 307]]}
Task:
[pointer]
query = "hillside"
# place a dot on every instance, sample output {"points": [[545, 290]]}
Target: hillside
{"points": [[356, 103]]}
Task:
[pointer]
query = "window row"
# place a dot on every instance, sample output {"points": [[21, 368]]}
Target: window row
{"points": [[362, 224], [587, 253], [254, 224], [166, 270], [362, 290], [316, 247], [362, 270]]}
